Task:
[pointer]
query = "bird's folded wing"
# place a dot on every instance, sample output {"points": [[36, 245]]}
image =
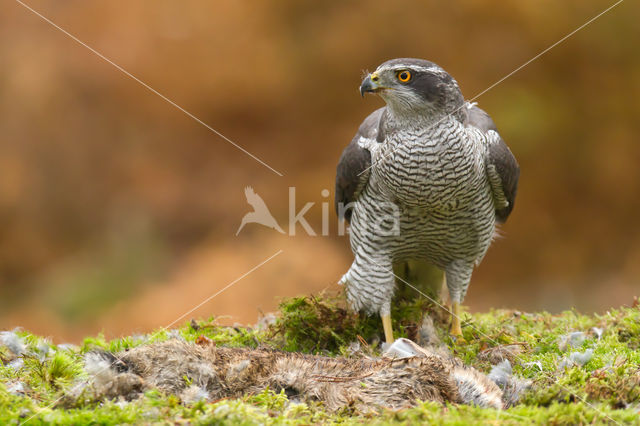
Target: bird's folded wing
{"points": [[352, 173], [502, 168]]}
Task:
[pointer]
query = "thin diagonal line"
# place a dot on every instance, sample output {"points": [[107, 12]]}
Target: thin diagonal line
{"points": [[506, 77], [223, 289], [169, 325], [146, 86], [545, 50], [497, 344]]}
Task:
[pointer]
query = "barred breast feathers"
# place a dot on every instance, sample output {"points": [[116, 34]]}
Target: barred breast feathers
{"points": [[437, 167]]}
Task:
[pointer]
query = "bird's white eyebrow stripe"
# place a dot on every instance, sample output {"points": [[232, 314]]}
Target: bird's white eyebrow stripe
{"points": [[418, 68]]}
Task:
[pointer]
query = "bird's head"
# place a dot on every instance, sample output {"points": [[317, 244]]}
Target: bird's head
{"points": [[413, 87]]}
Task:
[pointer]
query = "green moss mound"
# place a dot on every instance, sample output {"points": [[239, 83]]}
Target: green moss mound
{"points": [[324, 325]]}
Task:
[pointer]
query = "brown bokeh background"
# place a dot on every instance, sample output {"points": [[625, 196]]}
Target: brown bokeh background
{"points": [[118, 212]]}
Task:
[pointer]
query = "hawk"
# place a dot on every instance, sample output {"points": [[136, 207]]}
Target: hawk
{"points": [[425, 180]]}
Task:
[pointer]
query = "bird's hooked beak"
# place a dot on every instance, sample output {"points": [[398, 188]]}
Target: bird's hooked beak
{"points": [[370, 84]]}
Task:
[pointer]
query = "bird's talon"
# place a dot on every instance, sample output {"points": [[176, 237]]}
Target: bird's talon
{"points": [[459, 339]]}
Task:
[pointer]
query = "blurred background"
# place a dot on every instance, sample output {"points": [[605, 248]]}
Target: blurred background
{"points": [[118, 212]]}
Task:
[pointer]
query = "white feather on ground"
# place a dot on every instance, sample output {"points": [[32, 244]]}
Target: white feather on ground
{"points": [[15, 343], [512, 387]]}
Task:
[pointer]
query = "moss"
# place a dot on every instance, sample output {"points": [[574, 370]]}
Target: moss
{"points": [[606, 389], [325, 325]]}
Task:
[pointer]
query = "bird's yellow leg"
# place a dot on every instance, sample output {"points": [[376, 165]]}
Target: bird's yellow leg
{"points": [[388, 331], [444, 292], [456, 329]]}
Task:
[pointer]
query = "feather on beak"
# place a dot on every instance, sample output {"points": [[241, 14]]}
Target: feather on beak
{"points": [[369, 84]]}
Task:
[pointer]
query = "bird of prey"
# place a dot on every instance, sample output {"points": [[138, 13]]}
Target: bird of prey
{"points": [[260, 213], [425, 180]]}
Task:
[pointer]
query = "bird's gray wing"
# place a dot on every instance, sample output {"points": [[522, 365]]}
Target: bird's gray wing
{"points": [[502, 168], [352, 173]]}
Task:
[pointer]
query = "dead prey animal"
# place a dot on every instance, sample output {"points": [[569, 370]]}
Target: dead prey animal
{"points": [[404, 375]]}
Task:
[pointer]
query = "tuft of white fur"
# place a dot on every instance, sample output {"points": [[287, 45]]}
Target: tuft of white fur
{"points": [[265, 321], [501, 373], [571, 340], [121, 403], [96, 366], [16, 388], [534, 364], [354, 348], [598, 331], [42, 350], [237, 369], [476, 391], [427, 334], [68, 347], [15, 343], [576, 358], [140, 338], [194, 393], [175, 334], [581, 358], [512, 387], [16, 364], [76, 390]]}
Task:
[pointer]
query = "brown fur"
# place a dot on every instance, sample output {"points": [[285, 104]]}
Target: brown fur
{"points": [[361, 383]]}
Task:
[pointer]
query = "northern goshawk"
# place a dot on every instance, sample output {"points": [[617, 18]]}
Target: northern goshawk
{"points": [[425, 179]]}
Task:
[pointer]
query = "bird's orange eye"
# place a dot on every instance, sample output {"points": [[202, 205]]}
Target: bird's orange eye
{"points": [[404, 76]]}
